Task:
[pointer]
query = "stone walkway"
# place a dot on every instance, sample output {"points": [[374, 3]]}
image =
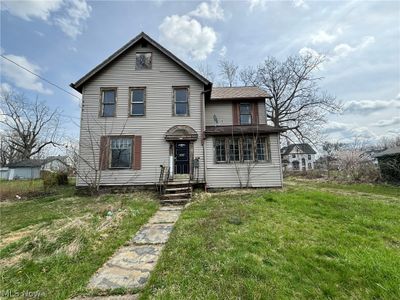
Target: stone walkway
{"points": [[131, 265]]}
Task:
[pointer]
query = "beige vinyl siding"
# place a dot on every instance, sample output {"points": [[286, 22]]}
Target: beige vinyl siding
{"points": [[268, 174], [223, 111], [159, 82]]}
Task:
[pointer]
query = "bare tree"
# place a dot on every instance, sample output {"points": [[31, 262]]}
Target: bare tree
{"points": [[205, 70], [89, 158], [28, 126], [7, 153], [297, 102], [331, 149], [228, 71]]}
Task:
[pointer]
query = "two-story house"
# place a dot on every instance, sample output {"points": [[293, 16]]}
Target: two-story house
{"points": [[143, 108], [298, 157]]}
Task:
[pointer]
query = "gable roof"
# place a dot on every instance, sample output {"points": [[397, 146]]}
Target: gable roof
{"points": [[142, 36], [35, 163], [240, 92], [305, 148], [389, 152]]}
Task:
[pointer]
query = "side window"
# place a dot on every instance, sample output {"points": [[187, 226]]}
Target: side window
{"points": [[245, 114], [309, 156], [247, 148], [260, 150], [138, 98], [234, 150], [108, 101], [181, 102], [143, 60], [220, 152], [121, 152], [294, 155]]}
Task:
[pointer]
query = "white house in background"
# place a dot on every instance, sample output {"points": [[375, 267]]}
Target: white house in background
{"points": [[31, 168], [298, 157]]}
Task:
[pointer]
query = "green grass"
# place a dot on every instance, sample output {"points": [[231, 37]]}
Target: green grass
{"points": [[54, 244], [300, 243], [11, 188]]}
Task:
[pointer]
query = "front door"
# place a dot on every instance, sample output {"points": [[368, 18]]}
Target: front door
{"points": [[182, 158]]}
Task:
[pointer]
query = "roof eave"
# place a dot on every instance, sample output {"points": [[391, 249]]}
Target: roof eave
{"points": [[79, 83]]}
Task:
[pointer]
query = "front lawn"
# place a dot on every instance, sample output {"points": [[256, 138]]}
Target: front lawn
{"points": [[50, 246], [303, 242]]}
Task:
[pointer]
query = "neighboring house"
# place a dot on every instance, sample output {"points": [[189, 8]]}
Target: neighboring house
{"points": [[298, 157], [143, 107], [31, 168], [389, 164]]}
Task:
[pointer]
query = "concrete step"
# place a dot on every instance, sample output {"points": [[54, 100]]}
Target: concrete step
{"points": [[176, 189], [176, 196], [174, 201]]}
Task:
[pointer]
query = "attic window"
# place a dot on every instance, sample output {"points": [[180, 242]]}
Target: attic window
{"points": [[144, 44], [143, 60]]}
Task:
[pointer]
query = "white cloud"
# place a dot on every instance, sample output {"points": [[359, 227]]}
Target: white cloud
{"points": [[5, 87], [21, 78], [390, 122], [300, 3], [348, 131], [262, 4], [212, 11], [223, 51], [71, 22], [343, 50], [364, 107], [187, 36], [68, 15], [322, 37], [339, 51], [31, 9], [309, 51]]}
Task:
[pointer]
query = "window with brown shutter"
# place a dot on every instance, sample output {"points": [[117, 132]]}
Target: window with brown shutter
{"points": [[235, 113], [104, 150], [137, 152], [254, 113]]}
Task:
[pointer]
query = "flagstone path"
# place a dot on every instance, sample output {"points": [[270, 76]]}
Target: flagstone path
{"points": [[131, 265]]}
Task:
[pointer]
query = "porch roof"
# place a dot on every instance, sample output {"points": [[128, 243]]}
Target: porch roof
{"points": [[238, 92], [242, 129]]}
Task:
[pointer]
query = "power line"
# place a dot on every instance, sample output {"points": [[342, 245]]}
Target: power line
{"points": [[44, 79]]}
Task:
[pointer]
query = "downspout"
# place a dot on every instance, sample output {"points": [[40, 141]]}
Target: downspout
{"points": [[202, 122]]}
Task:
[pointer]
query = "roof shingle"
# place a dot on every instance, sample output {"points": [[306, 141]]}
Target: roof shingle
{"points": [[249, 92]]}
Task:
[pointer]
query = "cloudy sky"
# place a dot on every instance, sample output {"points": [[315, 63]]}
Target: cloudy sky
{"points": [[62, 40]]}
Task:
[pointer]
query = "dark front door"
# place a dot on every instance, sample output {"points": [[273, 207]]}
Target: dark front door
{"points": [[182, 158]]}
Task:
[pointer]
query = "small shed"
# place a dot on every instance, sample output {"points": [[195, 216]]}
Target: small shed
{"points": [[389, 164], [30, 168]]}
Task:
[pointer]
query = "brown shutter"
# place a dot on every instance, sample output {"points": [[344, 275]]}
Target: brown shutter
{"points": [[104, 150], [137, 152], [254, 113], [235, 113]]}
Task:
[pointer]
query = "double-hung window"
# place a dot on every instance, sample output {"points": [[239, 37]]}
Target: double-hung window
{"points": [[248, 148], [138, 97], [220, 151], [143, 60], [260, 149], [234, 150], [121, 152], [108, 101], [181, 101], [245, 113]]}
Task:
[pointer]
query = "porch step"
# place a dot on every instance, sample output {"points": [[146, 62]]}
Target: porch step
{"points": [[176, 196], [174, 201], [177, 189]]}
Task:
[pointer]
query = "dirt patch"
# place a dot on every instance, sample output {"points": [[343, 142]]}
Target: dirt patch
{"points": [[15, 236], [13, 260]]}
